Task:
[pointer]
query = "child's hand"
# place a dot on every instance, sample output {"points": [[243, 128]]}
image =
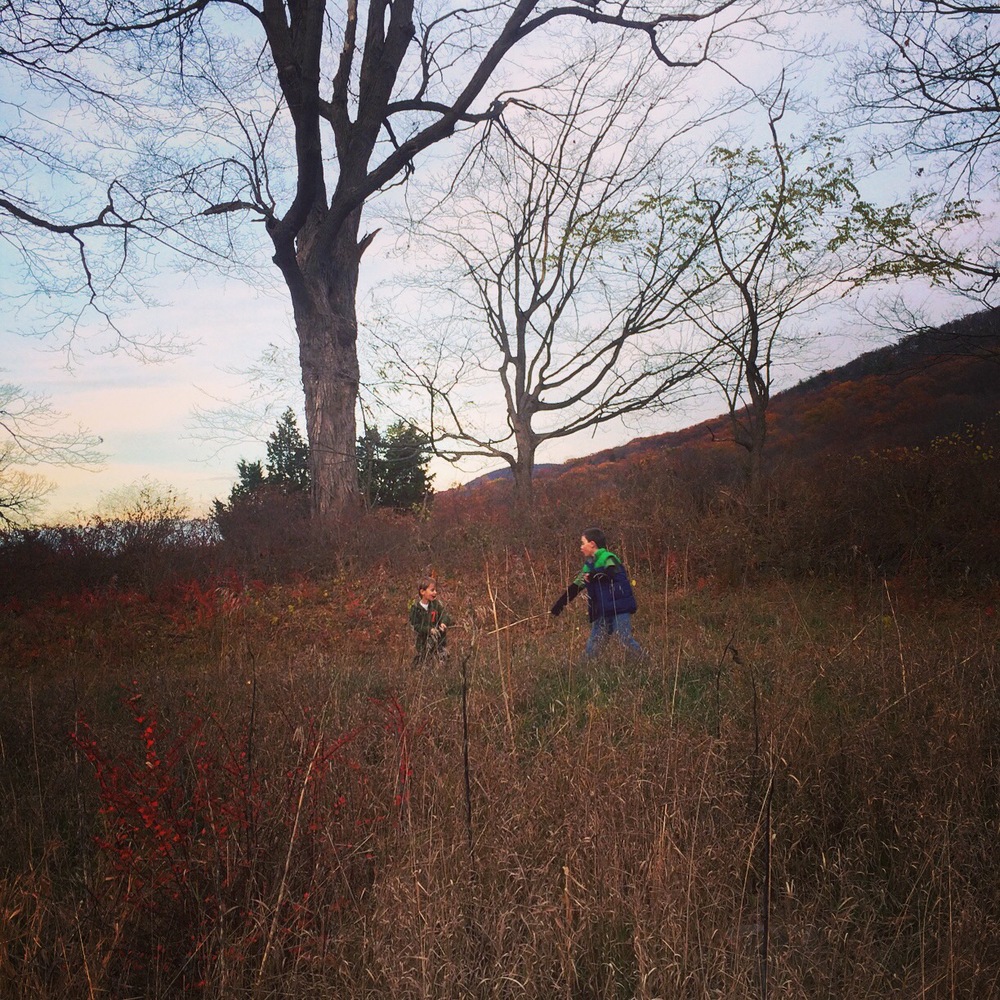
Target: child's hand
{"points": [[442, 626]]}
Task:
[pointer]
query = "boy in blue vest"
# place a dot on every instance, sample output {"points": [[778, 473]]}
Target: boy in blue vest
{"points": [[429, 621], [611, 602]]}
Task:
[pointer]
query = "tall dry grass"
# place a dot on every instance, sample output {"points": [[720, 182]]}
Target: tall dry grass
{"points": [[231, 783], [796, 795]]}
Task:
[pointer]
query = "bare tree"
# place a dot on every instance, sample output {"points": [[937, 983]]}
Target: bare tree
{"points": [[927, 81], [31, 434], [556, 288], [296, 114], [790, 233], [931, 72], [73, 224]]}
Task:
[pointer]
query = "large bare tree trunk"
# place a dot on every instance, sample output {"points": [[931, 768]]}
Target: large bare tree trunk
{"points": [[524, 467], [327, 326], [330, 379]]}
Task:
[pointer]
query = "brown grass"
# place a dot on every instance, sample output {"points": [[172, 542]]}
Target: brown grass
{"points": [[795, 796]]}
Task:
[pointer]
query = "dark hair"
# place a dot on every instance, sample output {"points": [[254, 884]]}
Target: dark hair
{"points": [[424, 582], [596, 536]]}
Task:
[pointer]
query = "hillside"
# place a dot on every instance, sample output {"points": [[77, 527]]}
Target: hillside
{"points": [[927, 385]]}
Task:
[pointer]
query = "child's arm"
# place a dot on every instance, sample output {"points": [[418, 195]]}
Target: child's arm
{"points": [[564, 598], [579, 583]]}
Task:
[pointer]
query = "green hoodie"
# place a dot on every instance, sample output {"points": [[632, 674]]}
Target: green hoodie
{"points": [[600, 559]]}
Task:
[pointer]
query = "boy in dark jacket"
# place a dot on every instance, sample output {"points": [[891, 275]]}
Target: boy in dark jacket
{"points": [[429, 621], [611, 602]]}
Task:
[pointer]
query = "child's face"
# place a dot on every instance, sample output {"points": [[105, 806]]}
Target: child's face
{"points": [[587, 547], [429, 593]]}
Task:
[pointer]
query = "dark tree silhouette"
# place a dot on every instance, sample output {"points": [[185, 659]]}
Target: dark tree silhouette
{"points": [[288, 456], [392, 467], [302, 111]]}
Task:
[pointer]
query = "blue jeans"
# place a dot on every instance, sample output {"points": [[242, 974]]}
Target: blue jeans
{"points": [[620, 626]]}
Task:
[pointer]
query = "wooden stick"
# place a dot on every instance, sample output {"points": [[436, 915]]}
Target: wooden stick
{"points": [[520, 621]]}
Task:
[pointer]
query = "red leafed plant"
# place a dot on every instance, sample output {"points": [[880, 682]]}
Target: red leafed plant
{"points": [[213, 859]]}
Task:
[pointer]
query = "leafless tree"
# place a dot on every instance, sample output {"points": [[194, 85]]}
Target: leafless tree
{"points": [[927, 81], [553, 276], [32, 434], [295, 114], [931, 72], [75, 228]]}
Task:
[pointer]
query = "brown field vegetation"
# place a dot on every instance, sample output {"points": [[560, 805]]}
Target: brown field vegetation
{"points": [[220, 776]]}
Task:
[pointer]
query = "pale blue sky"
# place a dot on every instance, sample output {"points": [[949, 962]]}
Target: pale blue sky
{"points": [[144, 412]]}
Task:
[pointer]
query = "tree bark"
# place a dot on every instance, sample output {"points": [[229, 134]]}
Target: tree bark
{"points": [[757, 413], [330, 377], [327, 326], [750, 433], [757, 436], [524, 466]]}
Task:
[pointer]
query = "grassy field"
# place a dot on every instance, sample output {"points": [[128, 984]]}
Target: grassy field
{"points": [[229, 788]]}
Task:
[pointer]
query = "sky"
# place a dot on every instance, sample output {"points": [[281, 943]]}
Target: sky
{"points": [[146, 413]]}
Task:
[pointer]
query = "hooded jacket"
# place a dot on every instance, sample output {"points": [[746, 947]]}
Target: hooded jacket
{"points": [[609, 589]]}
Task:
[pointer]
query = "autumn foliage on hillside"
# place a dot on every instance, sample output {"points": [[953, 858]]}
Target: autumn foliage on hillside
{"points": [[926, 386]]}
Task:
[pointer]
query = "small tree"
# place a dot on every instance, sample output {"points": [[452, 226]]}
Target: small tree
{"points": [[247, 492], [21, 493], [147, 515], [138, 532], [251, 479], [288, 456], [30, 435], [392, 468], [287, 477]]}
